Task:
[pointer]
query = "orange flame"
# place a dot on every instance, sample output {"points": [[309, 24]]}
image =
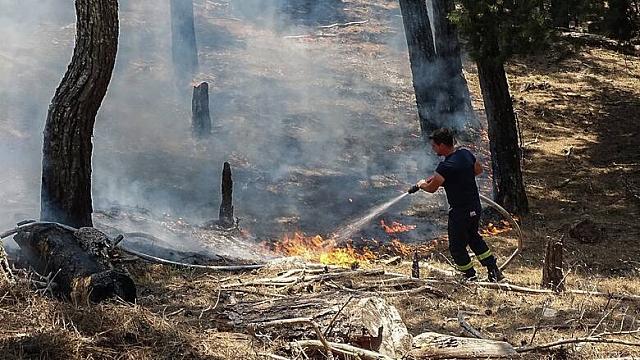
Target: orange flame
{"points": [[396, 227], [327, 252], [492, 229]]}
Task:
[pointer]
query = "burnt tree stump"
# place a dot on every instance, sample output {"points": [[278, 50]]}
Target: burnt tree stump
{"points": [[184, 50], [79, 274], [552, 273], [225, 217], [200, 118]]}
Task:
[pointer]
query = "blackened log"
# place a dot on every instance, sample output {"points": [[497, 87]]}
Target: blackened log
{"points": [[226, 207], [81, 276], [417, 29], [200, 118], [552, 272], [184, 49], [415, 266], [503, 133], [67, 147]]}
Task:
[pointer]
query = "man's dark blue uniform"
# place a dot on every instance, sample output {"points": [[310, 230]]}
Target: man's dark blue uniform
{"points": [[457, 173], [457, 169]]}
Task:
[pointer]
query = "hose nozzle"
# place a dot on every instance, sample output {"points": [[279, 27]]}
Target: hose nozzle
{"points": [[414, 189]]}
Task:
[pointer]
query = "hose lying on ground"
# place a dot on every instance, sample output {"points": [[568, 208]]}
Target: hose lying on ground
{"points": [[513, 222]]}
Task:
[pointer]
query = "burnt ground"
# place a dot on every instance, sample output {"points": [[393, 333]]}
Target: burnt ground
{"points": [[319, 125]]}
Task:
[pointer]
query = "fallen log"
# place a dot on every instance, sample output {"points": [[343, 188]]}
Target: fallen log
{"points": [[369, 322], [432, 345], [81, 275]]}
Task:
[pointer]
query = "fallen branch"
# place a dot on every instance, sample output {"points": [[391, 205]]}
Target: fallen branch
{"points": [[575, 341], [343, 349], [309, 321], [522, 289], [467, 327]]}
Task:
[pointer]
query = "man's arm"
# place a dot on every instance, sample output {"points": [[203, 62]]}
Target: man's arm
{"points": [[477, 168], [432, 183]]}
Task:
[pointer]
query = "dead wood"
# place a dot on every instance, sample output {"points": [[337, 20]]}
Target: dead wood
{"points": [[5, 269], [432, 345], [309, 321], [592, 339], [82, 275], [343, 24], [369, 322], [552, 271], [467, 327]]}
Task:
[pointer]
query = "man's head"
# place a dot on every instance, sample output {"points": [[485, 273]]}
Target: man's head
{"points": [[442, 141]]}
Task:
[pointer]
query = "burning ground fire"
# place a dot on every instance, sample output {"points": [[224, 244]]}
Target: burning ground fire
{"points": [[493, 229], [329, 252], [325, 251]]}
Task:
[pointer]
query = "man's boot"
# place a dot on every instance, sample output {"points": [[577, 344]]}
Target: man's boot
{"points": [[494, 273], [470, 275]]}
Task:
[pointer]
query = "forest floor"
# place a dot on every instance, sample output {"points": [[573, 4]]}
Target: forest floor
{"points": [[578, 109]]}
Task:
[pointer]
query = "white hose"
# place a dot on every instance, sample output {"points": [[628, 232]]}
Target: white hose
{"points": [[513, 222]]}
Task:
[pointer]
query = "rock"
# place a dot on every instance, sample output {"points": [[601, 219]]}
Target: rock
{"points": [[586, 231]]}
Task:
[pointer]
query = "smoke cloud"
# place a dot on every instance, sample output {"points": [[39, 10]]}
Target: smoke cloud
{"points": [[319, 124]]}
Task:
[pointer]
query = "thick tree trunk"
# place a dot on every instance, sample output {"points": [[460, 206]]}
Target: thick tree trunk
{"points": [[226, 207], [200, 118], [79, 274], [67, 148], [552, 272], [417, 29], [184, 50], [560, 13], [503, 136], [454, 105], [432, 345]]}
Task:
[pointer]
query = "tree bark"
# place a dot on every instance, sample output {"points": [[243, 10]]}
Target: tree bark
{"points": [[200, 118], [503, 135], [455, 103], [78, 273], [552, 274], [67, 147], [417, 29], [560, 13], [226, 207], [432, 345], [184, 50]]}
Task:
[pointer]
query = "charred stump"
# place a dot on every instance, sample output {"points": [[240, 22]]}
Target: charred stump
{"points": [[415, 266], [200, 118], [225, 217], [67, 147], [79, 273], [184, 50], [552, 272], [417, 29]]}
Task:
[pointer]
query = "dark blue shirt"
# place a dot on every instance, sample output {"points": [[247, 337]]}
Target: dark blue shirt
{"points": [[458, 171]]}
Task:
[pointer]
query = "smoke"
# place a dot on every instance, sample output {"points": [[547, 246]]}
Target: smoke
{"points": [[317, 128]]}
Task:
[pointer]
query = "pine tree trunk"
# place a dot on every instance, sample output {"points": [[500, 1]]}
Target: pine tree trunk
{"points": [[226, 207], [455, 109], [200, 118], [184, 50], [67, 147], [417, 29], [560, 13], [503, 136], [552, 274]]}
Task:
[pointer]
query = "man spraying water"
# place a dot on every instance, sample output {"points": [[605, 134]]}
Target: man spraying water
{"points": [[456, 173]]}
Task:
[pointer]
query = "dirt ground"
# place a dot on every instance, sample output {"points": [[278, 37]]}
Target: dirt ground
{"points": [[577, 108]]}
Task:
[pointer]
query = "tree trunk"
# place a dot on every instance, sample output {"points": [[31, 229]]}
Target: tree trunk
{"points": [[552, 274], [454, 106], [184, 50], [432, 345], [503, 136], [67, 147], [560, 13], [200, 118], [79, 274], [417, 29], [226, 207]]}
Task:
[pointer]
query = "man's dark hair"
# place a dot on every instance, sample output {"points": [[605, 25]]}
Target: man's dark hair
{"points": [[442, 136]]}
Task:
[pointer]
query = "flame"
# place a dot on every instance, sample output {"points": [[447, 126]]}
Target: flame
{"points": [[325, 251], [492, 229], [396, 227]]}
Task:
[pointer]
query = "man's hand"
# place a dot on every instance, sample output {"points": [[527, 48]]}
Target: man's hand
{"points": [[432, 183]]}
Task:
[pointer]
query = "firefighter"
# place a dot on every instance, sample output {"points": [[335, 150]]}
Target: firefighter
{"points": [[456, 173]]}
